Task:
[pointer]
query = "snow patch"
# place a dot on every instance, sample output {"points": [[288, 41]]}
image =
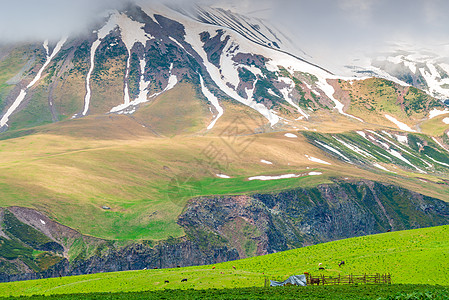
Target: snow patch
{"points": [[402, 139], [266, 162], [317, 160], [446, 120], [264, 178], [381, 167], [223, 176], [42, 221], [290, 135], [399, 124], [362, 134], [435, 113], [315, 173]]}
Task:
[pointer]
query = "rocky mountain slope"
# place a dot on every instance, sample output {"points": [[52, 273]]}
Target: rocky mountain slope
{"points": [[136, 54]]}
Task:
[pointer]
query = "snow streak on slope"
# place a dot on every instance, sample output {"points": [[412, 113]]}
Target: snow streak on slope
{"points": [[329, 91], [23, 92], [286, 94], [193, 32], [400, 125], [333, 150], [101, 34], [214, 101], [172, 81], [132, 32]]}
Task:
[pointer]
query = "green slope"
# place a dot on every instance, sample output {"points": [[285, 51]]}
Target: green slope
{"points": [[412, 257]]}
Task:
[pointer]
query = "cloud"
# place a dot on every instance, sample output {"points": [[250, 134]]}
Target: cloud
{"points": [[333, 32], [32, 20]]}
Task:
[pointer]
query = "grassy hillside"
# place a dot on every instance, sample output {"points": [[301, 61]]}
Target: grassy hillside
{"points": [[136, 173], [412, 257]]}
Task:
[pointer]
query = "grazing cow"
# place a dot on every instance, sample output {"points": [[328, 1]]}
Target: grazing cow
{"points": [[234, 267], [213, 267], [388, 230], [184, 280], [315, 281], [178, 266], [341, 263], [166, 281], [321, 268]]}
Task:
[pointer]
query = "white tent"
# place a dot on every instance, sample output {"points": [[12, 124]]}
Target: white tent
{"points": [[294, 280]]}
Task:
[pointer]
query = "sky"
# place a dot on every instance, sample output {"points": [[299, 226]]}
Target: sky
{"points": [[328, 30]]}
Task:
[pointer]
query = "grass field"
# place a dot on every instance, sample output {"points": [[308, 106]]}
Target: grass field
{"points": [[368, 292], [412, 257]]}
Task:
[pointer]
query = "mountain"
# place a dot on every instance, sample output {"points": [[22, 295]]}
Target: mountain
{"points": [[422, 68], [204, 133]]}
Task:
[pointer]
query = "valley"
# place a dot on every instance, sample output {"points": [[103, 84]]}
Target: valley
{"points": [[162, 139]]}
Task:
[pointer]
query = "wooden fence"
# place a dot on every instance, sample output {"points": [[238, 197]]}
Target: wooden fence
{"points": [[348, 279]]}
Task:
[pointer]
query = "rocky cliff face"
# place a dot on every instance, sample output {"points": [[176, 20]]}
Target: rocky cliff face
{"points": [[22, 256], [218, 229], [267, 223]]}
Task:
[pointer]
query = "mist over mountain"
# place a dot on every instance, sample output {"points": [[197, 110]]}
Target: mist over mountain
{"points": [[333, 33]]}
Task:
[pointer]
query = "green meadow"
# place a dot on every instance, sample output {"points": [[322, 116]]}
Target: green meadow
{"points": [[419, 256], [365, 292]]}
